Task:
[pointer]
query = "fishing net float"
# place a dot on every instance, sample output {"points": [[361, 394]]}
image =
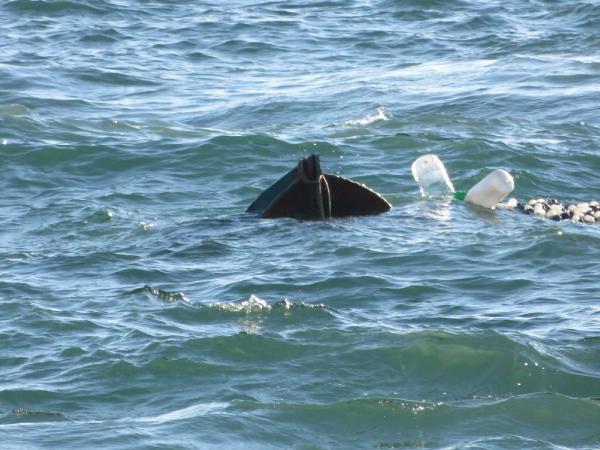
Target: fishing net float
{"points": [[586, 212]]}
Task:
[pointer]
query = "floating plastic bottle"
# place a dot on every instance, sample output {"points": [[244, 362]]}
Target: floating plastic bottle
{"points": [[431, 176], [491, 190]]}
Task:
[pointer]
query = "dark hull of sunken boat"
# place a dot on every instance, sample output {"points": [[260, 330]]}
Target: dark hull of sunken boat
{"points": [[305, 192]]}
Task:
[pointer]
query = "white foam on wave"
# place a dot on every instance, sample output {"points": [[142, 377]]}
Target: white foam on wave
{"points": [[586, 59], [146, 226], [199, 409], [381, 115], [516, 140], [560, 58], [256, 304], [251, 305], [439, 67], [440, 76]]}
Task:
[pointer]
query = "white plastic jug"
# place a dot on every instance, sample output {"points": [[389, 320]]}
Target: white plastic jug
{"points": [[492, 189], [431, 176]]}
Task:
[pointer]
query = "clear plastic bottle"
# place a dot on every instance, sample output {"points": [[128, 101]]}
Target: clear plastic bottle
{"points": [[492, 189], [431, 176]]}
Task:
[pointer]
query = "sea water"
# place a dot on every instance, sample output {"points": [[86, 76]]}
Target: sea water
{"points": [[139, 306]]}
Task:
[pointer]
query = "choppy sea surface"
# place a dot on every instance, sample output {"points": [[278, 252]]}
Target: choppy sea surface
{"points": [[141, 308]]}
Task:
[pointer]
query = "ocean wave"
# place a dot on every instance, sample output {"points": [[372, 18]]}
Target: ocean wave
{"points": [[60, 7], [251, 306], [395, 423]]}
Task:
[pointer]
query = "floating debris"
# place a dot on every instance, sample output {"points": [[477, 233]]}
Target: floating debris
{"points": [[550, 208]]}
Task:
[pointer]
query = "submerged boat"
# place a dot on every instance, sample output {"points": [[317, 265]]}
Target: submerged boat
{"points": [[305, 192]]}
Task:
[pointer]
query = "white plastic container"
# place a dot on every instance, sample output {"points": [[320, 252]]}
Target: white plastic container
{"points": [[492, 189], [431, 176]]}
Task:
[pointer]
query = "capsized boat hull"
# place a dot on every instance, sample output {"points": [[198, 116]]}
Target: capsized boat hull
{"points": [[307, 193]]}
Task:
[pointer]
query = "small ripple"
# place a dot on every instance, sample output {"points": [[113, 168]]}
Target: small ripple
{"points": [[22, 415], [14, 109], [207, 248], [200, 56], [113, 77], [243, 47], [102, 36], [137, 274], [156, 293]]}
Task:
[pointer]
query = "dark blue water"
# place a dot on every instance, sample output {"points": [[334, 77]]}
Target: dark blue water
{"points": [[139, 306]]}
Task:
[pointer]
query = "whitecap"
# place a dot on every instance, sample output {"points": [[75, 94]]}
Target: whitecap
{"points": [[251, 305], [381, 115]]}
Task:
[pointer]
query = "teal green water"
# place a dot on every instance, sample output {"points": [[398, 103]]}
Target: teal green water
{"points": [[141, 308]]}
